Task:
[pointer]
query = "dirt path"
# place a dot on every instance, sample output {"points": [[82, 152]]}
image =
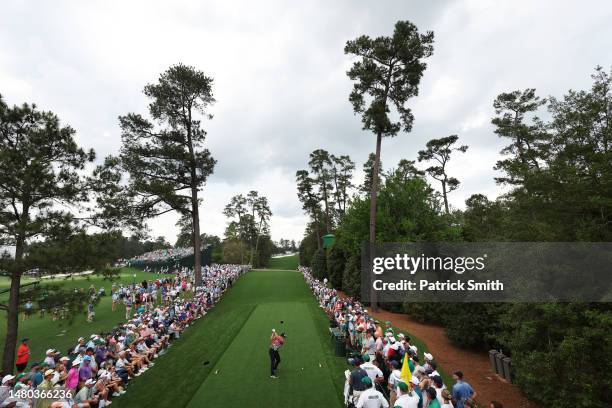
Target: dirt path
{"points": [[475, 365]]}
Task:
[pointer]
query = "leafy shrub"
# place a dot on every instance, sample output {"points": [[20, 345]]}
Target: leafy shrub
{"points": [[562, 352], [319, 264], [336, 263]]}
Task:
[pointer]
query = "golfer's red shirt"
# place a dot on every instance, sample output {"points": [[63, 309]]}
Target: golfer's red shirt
{"points": [[23, 354]]}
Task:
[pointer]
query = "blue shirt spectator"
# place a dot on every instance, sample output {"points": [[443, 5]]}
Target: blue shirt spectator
{"points": [[461, 390]]}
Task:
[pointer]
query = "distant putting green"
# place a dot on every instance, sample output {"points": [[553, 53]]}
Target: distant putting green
{"points": [[288, 263], [222, 360]]}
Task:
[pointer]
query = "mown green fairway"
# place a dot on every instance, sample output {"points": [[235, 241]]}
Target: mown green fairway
{"points": [[288, 263], [233, 342], [44, 333]]}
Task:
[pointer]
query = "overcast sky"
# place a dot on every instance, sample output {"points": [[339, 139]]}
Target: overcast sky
{"points": [[280, 78]]}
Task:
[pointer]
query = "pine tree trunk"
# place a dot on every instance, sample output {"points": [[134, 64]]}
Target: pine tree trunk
{"points": [[256, 244], [12, 318], [241, 251], [327, 220], [373, 197], [444, 194], [318, 233], [195, 211], [197, 240]]}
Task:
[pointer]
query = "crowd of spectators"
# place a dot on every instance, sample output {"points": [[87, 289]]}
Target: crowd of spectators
{"points": [[377, 355], [99, 368], [161, 255]]}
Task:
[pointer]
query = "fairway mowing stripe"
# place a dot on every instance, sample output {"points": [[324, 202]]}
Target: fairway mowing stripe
{"points": [[223, 350], [244, 363], [294, 368]]}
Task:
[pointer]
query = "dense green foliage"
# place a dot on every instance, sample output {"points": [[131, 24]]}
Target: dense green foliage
{"points": [[310, 243], [336, 260], [562, 352], [324, 190], [42, 181], [319, 264], [560, 176], [248, 230]]}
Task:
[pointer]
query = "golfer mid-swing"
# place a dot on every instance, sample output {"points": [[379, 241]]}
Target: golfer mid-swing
{"points": [[276, 342]]}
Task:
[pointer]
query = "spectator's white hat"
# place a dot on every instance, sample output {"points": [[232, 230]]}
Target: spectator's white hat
{"points": [[76, 363], [414, 380], [7, 378], [64, 359], [414, 348], [401, 336], [428, 356], [49, 372], [81, 339], [91, 381], [50, 351]]}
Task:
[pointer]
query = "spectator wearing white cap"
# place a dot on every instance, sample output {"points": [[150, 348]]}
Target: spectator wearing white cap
{"points": [[80, 343], [86, 395], [393, 352], [92, 341], [46, 385], [50, 358], [60, 368], [395, 377], [72, 381], [110, 380], [429, 362], [415, 386], [80, 355], [123, 366], [5, 390], [101, 391]]}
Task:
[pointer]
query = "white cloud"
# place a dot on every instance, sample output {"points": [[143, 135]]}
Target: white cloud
{"points": [[475, 121], [280, 81]]}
